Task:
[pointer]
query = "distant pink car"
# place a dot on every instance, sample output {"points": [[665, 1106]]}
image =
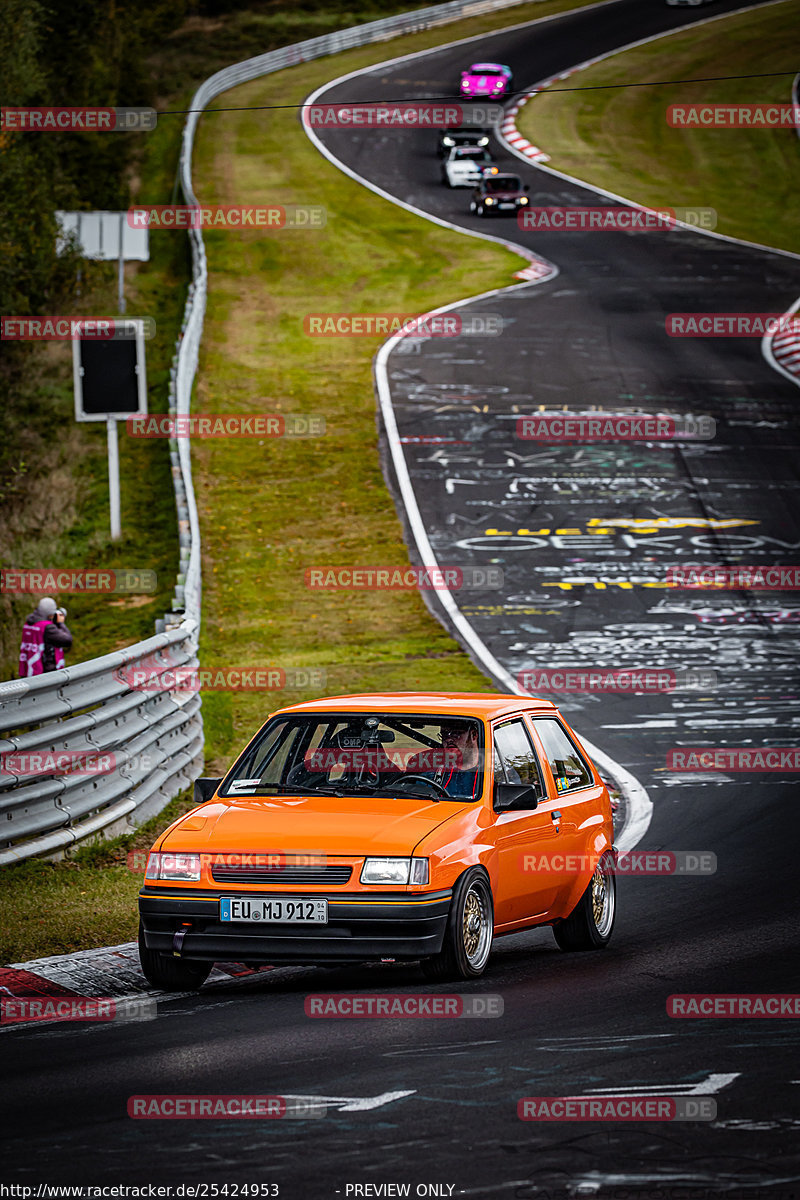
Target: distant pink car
{"points": [[486, 79]]}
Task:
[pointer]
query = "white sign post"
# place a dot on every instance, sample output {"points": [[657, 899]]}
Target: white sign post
{"points": [[105, 236], [111, 385]]}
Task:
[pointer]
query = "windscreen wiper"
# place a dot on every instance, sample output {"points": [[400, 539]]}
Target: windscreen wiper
{"points": [[285, 789]]}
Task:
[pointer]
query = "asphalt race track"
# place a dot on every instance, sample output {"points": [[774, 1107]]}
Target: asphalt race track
{"points": [[421, 1102]]}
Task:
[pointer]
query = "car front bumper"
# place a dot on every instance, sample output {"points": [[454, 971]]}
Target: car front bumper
{"points": [[360, 927]]}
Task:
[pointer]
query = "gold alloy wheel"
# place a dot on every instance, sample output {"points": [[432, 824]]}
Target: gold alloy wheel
{"points": [[472, 923], [602, 898], [476, 926]]}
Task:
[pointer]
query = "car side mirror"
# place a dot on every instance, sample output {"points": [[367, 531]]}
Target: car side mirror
{"points": [[509, 796], [204, 789]]}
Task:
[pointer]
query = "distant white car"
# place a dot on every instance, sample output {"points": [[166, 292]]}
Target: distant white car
{"points": [[464, 166]]}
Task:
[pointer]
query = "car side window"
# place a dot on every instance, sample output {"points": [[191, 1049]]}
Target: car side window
{"points": [[513, 746], [569, 769]]}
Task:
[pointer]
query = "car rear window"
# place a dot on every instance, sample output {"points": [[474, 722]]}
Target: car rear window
{"points": [[567, 764]]}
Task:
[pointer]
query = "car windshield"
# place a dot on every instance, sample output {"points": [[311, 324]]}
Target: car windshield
{"points": [[380, 754], [504, 183], [476, 155], [485, 69]]}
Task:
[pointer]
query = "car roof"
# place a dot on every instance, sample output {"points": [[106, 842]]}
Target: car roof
{"points": [[482, 65], [474, 704]]}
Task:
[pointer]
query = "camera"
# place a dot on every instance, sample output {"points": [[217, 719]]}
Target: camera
{"points": [[60, 612]]}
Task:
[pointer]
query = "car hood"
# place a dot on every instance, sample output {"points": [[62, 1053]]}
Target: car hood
{"points": [[350, 825], [510, 195]]}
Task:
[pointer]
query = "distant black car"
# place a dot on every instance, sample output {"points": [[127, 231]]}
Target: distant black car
{"points": [[499, 193], [464, 135]]}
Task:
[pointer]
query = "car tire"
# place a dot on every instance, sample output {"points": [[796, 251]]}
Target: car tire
{"points": [[171, 974], [468, 936], [591, 923]]}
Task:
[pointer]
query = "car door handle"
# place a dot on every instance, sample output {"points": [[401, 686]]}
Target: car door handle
{"points": [[555, 817]]}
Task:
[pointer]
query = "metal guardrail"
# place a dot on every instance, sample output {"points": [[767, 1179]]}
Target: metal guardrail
{"points": [[144, 746], [152, 740]]}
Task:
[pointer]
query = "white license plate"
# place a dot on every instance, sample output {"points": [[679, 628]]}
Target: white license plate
{"points": [[283, 910], [506, 205]]}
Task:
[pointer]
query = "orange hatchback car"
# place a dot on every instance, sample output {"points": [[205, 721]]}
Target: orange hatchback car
{"points": [[407, 826]]}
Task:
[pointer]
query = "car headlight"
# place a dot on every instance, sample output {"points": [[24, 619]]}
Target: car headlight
{"points": [[173, 866], [522, 199], [489, 200], [448, 141], [395, 870], [483, 141], [465, 85]]}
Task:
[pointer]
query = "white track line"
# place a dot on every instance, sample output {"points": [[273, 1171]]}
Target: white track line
{"points": [[783, 360], [55, 965], [638, 806]]}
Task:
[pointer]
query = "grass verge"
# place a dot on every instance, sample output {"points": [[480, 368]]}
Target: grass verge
{"points": [[86, 900], [619, 139]]}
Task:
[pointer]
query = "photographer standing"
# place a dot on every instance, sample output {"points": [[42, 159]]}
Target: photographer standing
{"points": [[45, 637]]}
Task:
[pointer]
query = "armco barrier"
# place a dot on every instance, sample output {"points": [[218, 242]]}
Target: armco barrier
{"points": [[155, 738], [89, 706]]}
